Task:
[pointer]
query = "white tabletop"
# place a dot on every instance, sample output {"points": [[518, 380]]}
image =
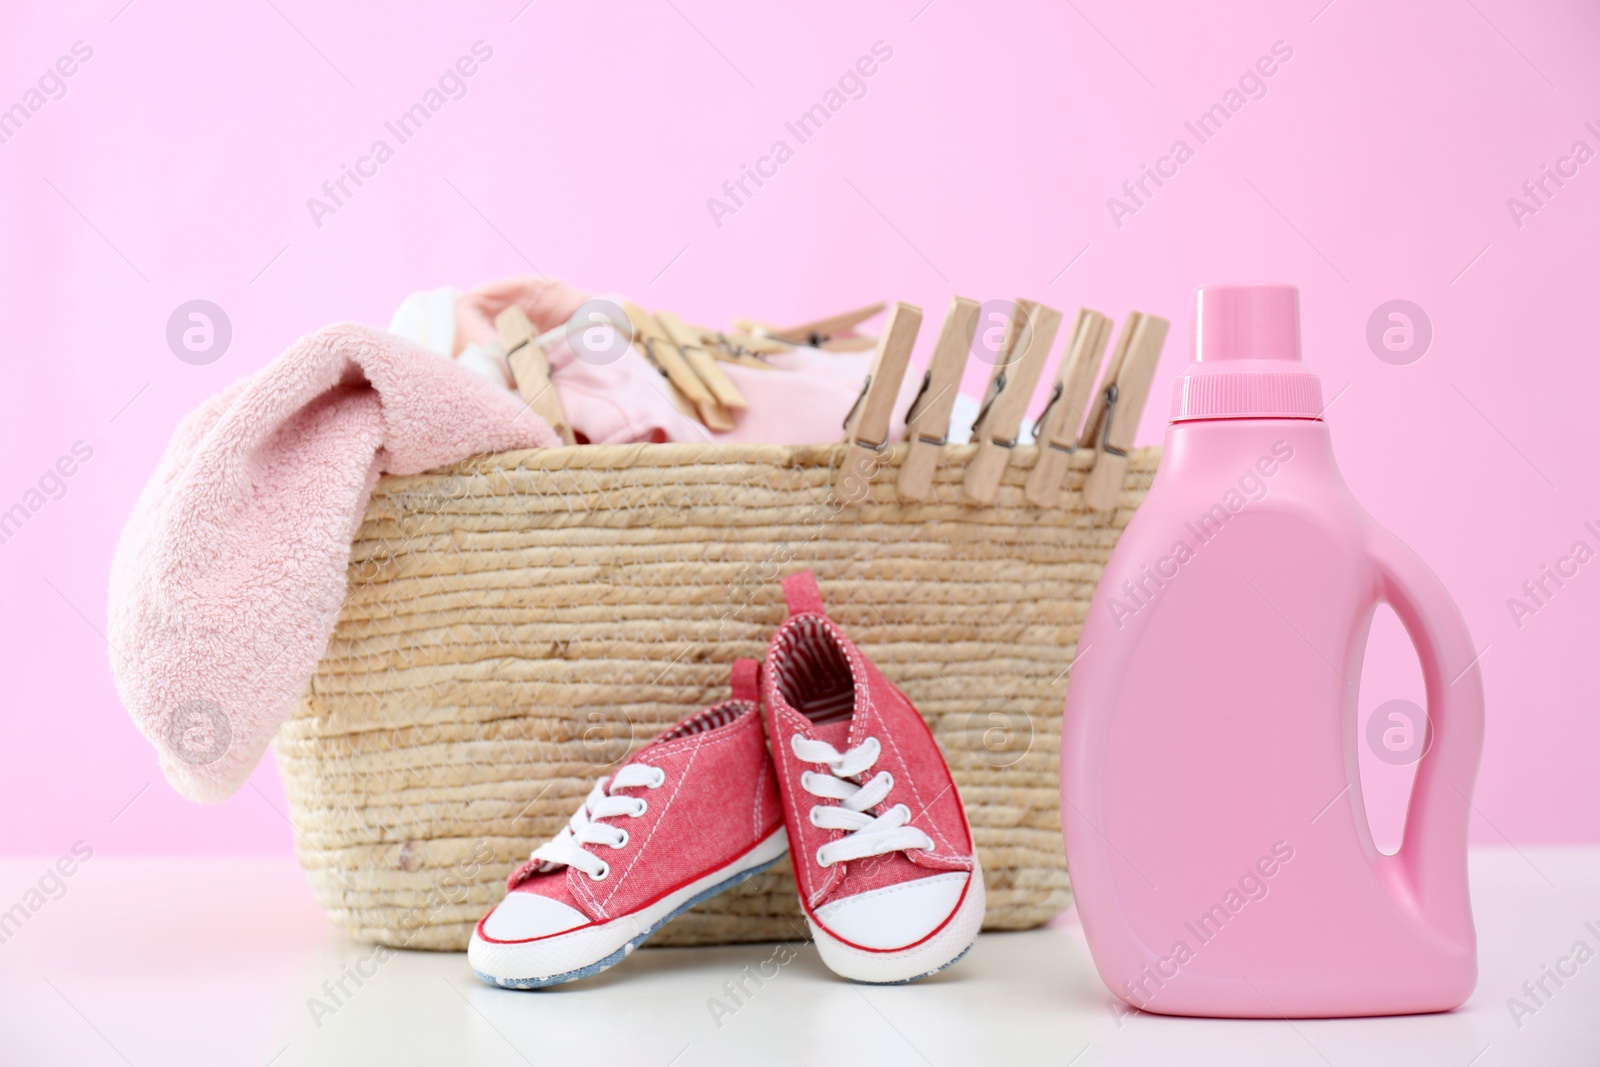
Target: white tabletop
{"points": [[180, 961]]}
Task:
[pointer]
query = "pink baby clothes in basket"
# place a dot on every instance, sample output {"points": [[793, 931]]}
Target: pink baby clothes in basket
{"points": [[231, 571], [803, 400]]}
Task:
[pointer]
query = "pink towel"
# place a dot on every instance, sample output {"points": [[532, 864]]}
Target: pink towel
{"points": [[231, 571]]}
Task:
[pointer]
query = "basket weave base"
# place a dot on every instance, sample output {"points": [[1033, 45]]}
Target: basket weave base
{"points": [[515, 626]]}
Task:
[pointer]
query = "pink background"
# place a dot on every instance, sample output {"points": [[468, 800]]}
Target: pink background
{"points": [[178, 164]]}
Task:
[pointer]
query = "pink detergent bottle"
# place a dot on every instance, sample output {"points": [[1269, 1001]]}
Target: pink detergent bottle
{"points": [[1211, 798]]}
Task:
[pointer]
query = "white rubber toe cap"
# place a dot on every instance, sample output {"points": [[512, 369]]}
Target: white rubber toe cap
{"points": [[897, 915], [521, 916]]}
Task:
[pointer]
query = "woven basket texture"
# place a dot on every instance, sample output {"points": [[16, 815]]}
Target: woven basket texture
{"points": [[515, 626]]}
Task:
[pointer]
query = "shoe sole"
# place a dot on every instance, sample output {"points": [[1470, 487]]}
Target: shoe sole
{"points": [[525, 958], [944, 949]]}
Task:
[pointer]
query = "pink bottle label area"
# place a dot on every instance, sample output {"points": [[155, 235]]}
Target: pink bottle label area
{"points": [[1252, 487]]}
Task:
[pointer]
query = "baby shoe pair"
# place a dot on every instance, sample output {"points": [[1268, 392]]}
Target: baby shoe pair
{"points": [[854, 787]]}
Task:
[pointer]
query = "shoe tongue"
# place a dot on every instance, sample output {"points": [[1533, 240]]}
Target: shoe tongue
{"points": [[836, 734]]}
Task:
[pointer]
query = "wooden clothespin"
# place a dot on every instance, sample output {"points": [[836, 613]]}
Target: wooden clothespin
{"points": [[701, 362], [531, 370], [1057, 429], [727, 354], [851, 343], [834, 332], [746, 342], [745, 349], [1115, 417], [1029, 337], [867, 424], [928, 421], [682, 381]]}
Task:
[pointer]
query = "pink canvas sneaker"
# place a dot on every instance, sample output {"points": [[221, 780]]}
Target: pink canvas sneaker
{"points": [[881, 849], [695, 812]]}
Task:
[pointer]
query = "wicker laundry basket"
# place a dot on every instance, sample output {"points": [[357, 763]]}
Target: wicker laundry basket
{"points": [[518, 624]]}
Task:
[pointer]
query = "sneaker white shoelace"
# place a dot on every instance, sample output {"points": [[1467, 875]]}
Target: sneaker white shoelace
{"points": [[867, 835], [568, 847]]}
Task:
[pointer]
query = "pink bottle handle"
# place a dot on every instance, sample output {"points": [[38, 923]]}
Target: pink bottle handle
{"points": [[1432, 860]]}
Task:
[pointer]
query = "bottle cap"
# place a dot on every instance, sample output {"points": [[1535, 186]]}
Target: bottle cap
{"points": [[1247, 357]]}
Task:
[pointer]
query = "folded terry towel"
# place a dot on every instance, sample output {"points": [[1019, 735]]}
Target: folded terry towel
{"points": [[231, 571]]}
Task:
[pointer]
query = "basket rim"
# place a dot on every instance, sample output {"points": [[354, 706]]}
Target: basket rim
{"points": [[697, 453]]}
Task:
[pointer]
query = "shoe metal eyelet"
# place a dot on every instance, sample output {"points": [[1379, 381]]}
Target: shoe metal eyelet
{"points": [[660, 779], [605, 872], [624, 842], [643, 806]]}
